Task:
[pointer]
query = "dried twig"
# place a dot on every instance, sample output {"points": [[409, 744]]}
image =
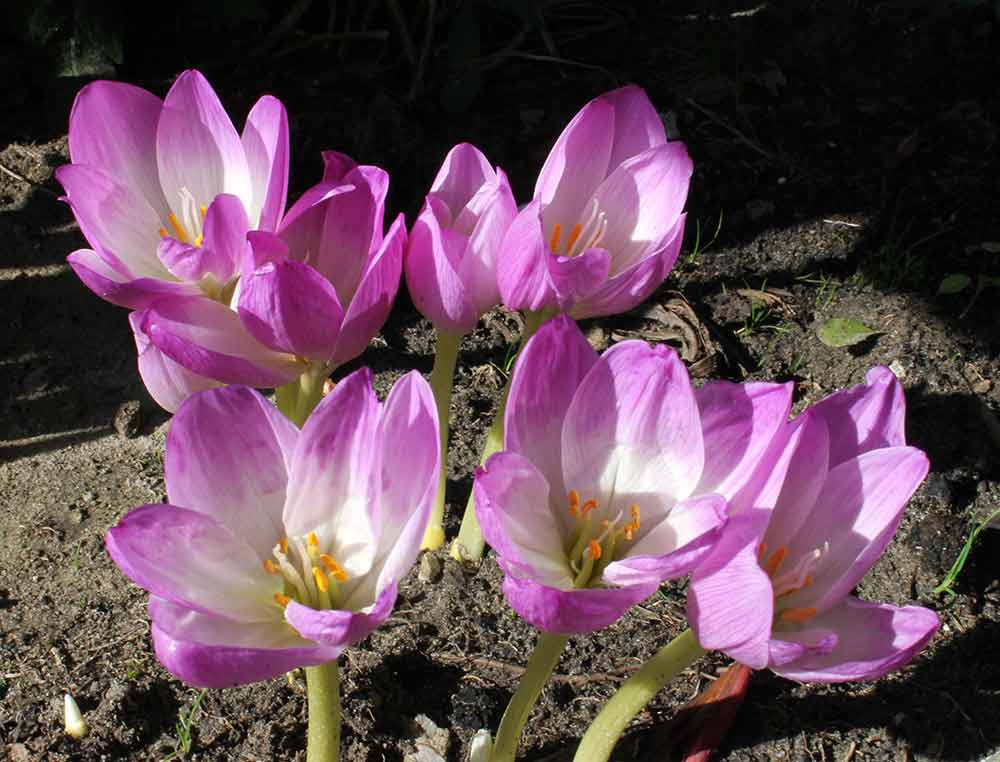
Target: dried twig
{"points": [[18, 176], [735, 132]]}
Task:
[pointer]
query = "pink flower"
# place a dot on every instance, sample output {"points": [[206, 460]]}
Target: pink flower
{"points": [[605, 225], [451, 259], [775, 592], [278, 547], [616, 474]]}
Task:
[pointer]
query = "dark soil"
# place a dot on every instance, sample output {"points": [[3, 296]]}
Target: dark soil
{"points": [[849, 149]]}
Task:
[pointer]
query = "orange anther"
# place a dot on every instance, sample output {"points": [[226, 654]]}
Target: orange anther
{"points": [[775, 560], [178, 229], [283, 545], [574, 502], [282, 600], [573, 236], [556, 234], [594, 550], [204, 211], [762, 550], [588, 507], [321, 581], [798, 615], [270, 567], [163, 232], [335, 569]]}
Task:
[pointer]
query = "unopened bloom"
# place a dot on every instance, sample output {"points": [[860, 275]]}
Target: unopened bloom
{"points": [[776, 590], [604, 489], [325, 281], [605, 225], [279, 548], [451, 258]]}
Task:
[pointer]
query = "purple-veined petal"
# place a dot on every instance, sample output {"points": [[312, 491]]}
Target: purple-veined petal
{"points": [[112, 285], [115, 220], [265, 142], [790, 645], [194, 561], [373, 300], [211, 652], [198, 150], [633, 430], [738, 423], [575, 278], [207, 338], [628, 288], [376, 180], [523, 264], [290, 307], [730, 599], [167, 382], [336, 165], [464, 170], [226, 227], [410, 466], [336, 628], [228, 453], [637, 125], [431, 263], [478, 268], [576, 165], [571, 612], [516, 514], [857, 513], [263, 248], [113, 127], [546, 376], [872, 639], [642, 199], [865, 417], [673, 547], [333, 486]]}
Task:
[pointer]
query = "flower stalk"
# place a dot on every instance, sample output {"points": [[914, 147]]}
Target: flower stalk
{"points": [[543, 660], [323, 690], [442, 380], [633, 695], [300, 397], [469, 545]]}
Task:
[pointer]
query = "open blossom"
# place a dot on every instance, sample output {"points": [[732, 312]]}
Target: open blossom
{"points": [[451, 259], [323, 284], [775, 592], [605, 225], [605, 488], [279, 548]]}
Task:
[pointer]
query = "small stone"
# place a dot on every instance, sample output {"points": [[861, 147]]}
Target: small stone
{"points": [[597, 337], [983, 386], [898, 370], [18, 752], [128, 419], [430, 568]]}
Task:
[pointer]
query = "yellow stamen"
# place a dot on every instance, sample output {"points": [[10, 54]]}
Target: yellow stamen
{"points": [[574, 502], [163, 232], [282, 600], [556, 234], [313, 540], [775, 560], [573, 236], [178, 229], [270, 567], [805, 583], [594, 550], [587, 507], [321, 581], [283, 545], [633, 526], [204, 211], [198, 240], [798, 615], [335, 569]]}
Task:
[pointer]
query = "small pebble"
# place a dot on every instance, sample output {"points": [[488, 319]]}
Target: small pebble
{"points": [[430, 568], [128, 419]]}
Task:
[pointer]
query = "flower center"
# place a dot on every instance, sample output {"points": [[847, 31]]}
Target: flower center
{"points": [[593, 545], [583, 235], [788, 578], [188, 227], [311, 577]]}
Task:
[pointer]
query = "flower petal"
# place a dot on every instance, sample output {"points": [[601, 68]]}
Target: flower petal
{"points": [[464, 170], [112, 285], [371, 303], [794, 644], [337, 629], [290, 307], [227, 456], [637, 125], [226, 227], [872, 639], [194, 561], [575, 278], [571, 612], [113, 127], [495, 210], [547, 373], [265, 143], [167, 382], [336, 165], [673, 547], [208, 339], [211, 652], [515, 512], [865, 417], [523, 264], [197, 148], [633, 429]]}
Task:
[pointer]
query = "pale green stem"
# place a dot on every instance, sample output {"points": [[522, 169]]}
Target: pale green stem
{"points": [[442, 378], [323, 688], [543, 660], [469, 545], [633, 695], [298, 398]]}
